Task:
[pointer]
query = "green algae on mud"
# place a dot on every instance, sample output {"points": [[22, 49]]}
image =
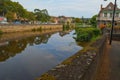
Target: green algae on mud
{"points": [[46, 77]]}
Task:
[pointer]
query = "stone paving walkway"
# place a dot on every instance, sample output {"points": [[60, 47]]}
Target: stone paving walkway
{"points": [[109, 68], [115, 61]]}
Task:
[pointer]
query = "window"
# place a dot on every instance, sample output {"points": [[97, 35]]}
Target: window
{"points": [[109, 7], [117, 15], [105, 15], [111, 14]]}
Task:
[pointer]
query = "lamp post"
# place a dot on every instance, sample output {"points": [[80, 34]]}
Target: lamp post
{"points": [[113, 22]]}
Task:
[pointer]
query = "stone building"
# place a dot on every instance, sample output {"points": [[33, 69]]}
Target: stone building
{"points": [[61, 19], [106, 14]]}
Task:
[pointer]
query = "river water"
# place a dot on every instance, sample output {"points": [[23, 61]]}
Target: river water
{"points": [[28, 58]]}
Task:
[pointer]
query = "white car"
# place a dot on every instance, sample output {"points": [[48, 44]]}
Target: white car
{"points": [[3, 22]]}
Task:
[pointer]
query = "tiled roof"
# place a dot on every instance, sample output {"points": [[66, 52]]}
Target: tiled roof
{"points": [[110, 6]]}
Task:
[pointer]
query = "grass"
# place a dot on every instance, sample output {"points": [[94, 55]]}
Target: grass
{"points": [[96, 38], [46, 77]]}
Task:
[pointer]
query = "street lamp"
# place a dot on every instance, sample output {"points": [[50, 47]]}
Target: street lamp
{"points": [[113, 21]]}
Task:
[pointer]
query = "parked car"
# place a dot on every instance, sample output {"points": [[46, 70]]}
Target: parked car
{"points": [[3, 22], [17, 22]]}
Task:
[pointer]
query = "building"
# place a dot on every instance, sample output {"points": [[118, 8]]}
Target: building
{"points": [[61, 19], [3, 20], [54, 19], [106, 14]]}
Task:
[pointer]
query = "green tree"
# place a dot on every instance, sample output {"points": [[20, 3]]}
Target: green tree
{"points": [[42, 15], [10, 16], [93, 21], [30, 16], [14, 10], [77, 20], [8, 7]]}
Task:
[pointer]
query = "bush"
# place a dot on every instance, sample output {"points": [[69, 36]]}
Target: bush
{"points": [[66, 27], [33, 30], [38, 29], [1, 32], [86, 34]]}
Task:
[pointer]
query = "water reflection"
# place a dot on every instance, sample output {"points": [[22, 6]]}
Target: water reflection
{"points": [[15, 47], [28, 58]]}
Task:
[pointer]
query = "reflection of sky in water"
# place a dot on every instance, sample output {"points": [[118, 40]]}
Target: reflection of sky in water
{"points": [[37, 59]]}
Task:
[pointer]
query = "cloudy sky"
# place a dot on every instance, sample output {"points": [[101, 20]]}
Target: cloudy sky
{"points": [[75, 8]]}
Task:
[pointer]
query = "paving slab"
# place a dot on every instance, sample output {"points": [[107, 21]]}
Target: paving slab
{"points": [[115, 60]]}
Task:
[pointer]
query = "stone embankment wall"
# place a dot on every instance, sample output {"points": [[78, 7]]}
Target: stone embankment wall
{"points": [[20, 28], [21, 35], [81, 66], [100, 46]]}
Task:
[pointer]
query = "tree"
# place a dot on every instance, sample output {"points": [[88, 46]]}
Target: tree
{"points": [[42, 15], [14, 10], [77, 20], [93, 21], [10, 16]]}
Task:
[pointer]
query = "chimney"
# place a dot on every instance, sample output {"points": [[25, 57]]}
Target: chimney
{"points": [[101, 6]]}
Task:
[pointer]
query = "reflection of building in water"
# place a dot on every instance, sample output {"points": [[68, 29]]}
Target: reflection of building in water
{"points": [[42, 39], [17, 46], [63, 33], [3, 43]]}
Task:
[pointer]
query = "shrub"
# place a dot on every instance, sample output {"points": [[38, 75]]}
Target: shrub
{"points": [[33, 29], [39, 29], [66, 27], [1, 32], [86, 34]]}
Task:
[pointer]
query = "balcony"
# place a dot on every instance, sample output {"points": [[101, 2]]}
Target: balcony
{"points": [[107, 18]]}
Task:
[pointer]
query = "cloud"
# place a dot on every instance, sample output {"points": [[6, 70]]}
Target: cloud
{"points": [[78, 8]]}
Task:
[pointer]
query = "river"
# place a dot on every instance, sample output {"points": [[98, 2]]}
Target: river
{"points": [[28, 58]]}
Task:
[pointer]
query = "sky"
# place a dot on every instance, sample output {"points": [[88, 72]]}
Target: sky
{"points": [[69, 8]]}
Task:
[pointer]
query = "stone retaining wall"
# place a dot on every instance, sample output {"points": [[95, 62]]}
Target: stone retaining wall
{"points": [[20, 28], [20, 35], [93, 67]]}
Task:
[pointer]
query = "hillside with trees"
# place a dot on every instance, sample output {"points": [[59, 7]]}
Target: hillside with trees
{"points": [[15, 11]]}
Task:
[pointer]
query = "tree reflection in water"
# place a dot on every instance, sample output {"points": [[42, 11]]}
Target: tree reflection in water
{"points": [[25, 57], [17, 46]]}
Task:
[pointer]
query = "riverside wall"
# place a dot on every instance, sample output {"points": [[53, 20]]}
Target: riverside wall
{"points": [[24, 27], [21, 35]]}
